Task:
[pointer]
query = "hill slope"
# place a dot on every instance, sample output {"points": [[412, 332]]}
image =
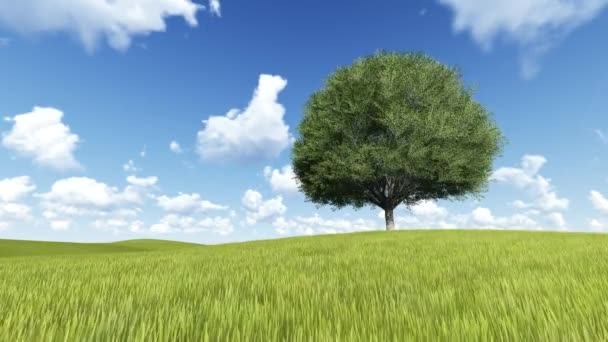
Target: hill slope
{"points": [[378, 286], [17, 248]]}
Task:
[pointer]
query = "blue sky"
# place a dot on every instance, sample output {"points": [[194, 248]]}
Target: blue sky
{"points": [[92, 95]]}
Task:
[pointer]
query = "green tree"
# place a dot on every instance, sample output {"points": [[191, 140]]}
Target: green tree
{"points": [[394, 128]]}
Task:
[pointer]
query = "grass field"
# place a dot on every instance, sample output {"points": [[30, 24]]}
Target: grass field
{"points": [[377, 286]]}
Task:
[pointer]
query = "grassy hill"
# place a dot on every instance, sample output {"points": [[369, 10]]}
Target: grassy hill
{"points": [[16, 248], [377, 286]]}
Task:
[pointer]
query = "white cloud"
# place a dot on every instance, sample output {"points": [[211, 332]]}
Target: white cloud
{"points": [[429, 217], [522, 221], [83, 191], [185, 224], [519, 204], [139, 188], [283, 180], [116, 211], [557, 219], [260, 210], [429, 209], [218, 225], [599, 201], [137, 226], [114, 225], [172, 223], [536, 26], [42, 136], [60, 225], [14, 211], [49, 214], [119, 225], [597, 224], [110, 208], [93, 20], [215, 7], [143, 182], [130, 167], [175, 147], [318, 225], [484, 216], [282, 226], [82, 196], [12, 189], [527, 179], [187, 204], [258, 132]]}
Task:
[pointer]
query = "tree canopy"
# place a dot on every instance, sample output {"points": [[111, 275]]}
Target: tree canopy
{"points": [[394, 128]]}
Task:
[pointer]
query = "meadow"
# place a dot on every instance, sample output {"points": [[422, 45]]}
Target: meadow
{"points": [[375, 286]]}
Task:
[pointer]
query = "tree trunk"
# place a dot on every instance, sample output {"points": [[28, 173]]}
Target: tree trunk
{"points": [[390, 219]]}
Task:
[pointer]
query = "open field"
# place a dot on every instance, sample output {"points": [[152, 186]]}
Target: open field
{"points": [[377, 286]]}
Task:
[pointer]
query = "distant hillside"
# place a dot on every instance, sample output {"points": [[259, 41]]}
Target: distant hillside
{"points": [[15, 248]]}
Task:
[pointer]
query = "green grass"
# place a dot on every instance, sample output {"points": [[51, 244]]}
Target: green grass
{"points": [[16, 248], [378, 286]]}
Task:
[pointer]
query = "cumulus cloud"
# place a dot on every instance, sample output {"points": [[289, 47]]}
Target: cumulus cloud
{"points": [[429, 209], [143, 182], [14, 211], [42, 136], [258, 132], [137, 226], [599, 201], [175, 147], [60, 225], [112, 222], [283, 180], [186, 224], [536, 26], [86, 198], [13, 189], [139, 188], [215, 7], [429, 215], [83, 192], [113, 210], [259, 209], [318, 225], [82, 196], [484, 216], [187, 204], [478, 218], [527, 179], [557, 219], [597, 224], [93, 20]]}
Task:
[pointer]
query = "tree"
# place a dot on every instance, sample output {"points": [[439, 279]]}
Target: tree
{"points": [[394, 129]]}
